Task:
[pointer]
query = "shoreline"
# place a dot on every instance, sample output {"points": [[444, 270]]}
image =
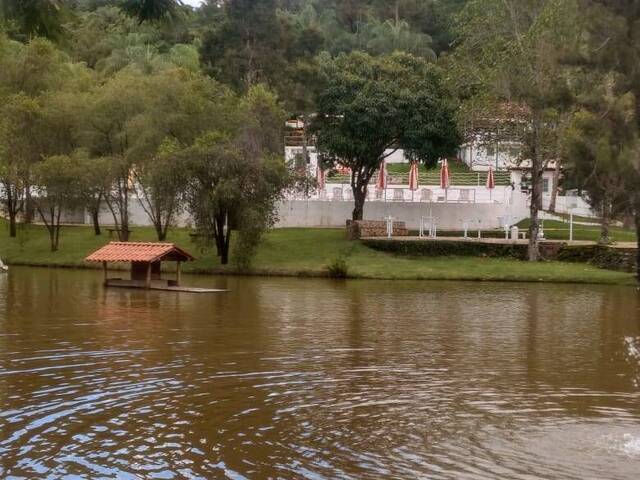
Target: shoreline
{"points": [[322, 274], [308, 253]]}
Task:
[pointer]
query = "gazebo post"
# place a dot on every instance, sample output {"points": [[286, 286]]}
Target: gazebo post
{"points": [[104, 268], [178, 273], [148, 280]]}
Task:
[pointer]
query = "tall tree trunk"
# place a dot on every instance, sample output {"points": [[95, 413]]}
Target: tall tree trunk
{"points": [[359, 196], [537, 169], [52, 239], [94, 209], [555, 187], [13, 207], [606, 221], [637, 219], [160, 231], [359, 184], [224, 257], [95, 219], [222, 238], [29, 208], [124, 213], [13, 231], [57, 228]]}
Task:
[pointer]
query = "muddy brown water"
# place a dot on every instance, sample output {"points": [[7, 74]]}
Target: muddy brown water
{"points": [[317, 379]]}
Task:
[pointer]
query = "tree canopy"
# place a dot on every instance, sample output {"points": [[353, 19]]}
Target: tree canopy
{"points": [[371, 106]]}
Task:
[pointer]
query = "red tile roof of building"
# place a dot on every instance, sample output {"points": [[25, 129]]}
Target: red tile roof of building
{"points": [[139, 252]]}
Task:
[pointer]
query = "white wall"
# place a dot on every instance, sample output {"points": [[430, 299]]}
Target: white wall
{"points": [[317, 213], [313, 213]]}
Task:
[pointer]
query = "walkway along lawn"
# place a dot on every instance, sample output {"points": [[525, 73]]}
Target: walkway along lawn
{"points": [[305, 251], [557, 230]]}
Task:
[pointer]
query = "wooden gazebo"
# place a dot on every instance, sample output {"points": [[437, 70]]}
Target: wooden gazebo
{"points": [[145, 259]]}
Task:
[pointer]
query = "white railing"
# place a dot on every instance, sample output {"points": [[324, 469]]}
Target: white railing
{"points": [[471, 195]]}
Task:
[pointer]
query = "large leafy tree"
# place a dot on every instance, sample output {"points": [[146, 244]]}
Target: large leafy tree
{"points": [[58, 183], [610, 54], [111, 112], [151, 10], [252, 42], [599, 143], [31, 18], [29, 76], [238, 175], [516, 51], [247, 47], [184, 105], [20, 149], [371, 106]]}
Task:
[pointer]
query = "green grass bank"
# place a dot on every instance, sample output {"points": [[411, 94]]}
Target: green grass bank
{"points": [[306, 252]]}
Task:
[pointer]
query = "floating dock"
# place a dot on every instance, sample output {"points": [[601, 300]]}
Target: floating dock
{"points": [[161, 285], [146, 259]]}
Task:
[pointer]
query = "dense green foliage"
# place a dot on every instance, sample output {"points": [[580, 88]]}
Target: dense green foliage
{"points": [[76, 137], [371, 106], [124, 89], [419, 248]]}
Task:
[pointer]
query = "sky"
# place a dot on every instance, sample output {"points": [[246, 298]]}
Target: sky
{"points": [[193, 3]]}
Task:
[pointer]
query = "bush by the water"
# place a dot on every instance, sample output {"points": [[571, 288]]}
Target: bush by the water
{"points": [[338, 268], [602, 256]]}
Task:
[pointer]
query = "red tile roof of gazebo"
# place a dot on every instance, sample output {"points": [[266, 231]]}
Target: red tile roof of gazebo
{"points": [[139, 252]]}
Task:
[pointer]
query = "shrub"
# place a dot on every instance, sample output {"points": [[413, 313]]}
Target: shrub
{"points": [[338, 268], [419, 248]]}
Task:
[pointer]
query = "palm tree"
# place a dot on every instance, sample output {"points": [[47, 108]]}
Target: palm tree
{"points": [[151, 10]]}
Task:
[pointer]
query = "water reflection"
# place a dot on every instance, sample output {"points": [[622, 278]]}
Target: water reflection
{"points": [[292, 378]]}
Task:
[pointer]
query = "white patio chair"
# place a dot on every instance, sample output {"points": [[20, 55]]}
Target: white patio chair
{"points": [[398, 194], [337, 194], [465, 196], [426, 195]]}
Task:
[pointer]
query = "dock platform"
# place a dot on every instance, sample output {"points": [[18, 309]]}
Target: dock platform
{"points": [[159, 285]]}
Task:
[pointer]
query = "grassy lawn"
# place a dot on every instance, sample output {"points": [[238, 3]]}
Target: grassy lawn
{"points": [[304, 251], [557, 230]]}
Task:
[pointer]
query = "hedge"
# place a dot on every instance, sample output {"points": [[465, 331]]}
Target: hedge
{"points": [[438, 248], [598, 255]]}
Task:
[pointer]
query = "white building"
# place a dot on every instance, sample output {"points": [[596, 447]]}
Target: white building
{"points": [[491, 141]]}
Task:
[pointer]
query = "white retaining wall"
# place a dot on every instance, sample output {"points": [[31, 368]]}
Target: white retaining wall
{"points": [[319, 213], [450, 216]]}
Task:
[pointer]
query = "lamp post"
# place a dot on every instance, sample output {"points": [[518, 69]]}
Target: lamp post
{"points": [[571, 225], [389, 221]]}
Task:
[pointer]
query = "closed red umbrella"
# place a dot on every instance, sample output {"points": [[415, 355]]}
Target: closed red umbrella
{"points": [[491, 182], [413, 178], [320, 177], [444, 174], [382, 177]]}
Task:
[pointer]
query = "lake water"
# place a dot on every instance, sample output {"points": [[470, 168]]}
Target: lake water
{"points": [[317, 379]]}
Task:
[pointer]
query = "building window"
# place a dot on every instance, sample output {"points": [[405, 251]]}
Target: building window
{"points": [[545, 185], [513, 152]]}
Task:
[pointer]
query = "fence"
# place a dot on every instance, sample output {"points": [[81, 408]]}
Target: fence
{"points": [[343, 192], [466, 179]]}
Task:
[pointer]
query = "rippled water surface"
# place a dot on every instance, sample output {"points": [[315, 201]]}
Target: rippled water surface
{"points": [[292, 378]]}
